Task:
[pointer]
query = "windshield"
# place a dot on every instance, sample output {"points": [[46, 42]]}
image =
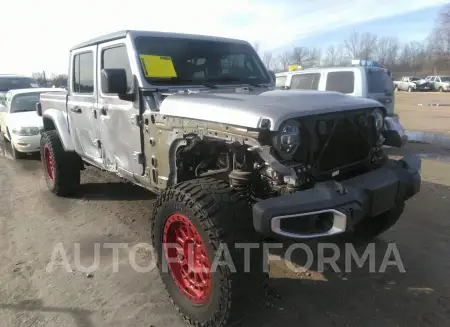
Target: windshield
{"points": [[188, 61], [14, 83], [24, 102], [445, 78]]}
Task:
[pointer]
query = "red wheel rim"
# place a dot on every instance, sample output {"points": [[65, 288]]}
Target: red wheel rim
{"points": [[49, 163], [187, 258]]}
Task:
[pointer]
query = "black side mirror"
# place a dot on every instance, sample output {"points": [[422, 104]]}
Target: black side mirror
{"points": [[39, 109], [114, 81]]}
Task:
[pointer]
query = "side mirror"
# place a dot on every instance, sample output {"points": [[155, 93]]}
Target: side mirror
{"points": [[39, 109], [114, 81]]}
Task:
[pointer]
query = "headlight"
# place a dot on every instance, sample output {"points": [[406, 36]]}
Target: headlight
{"points": [[379, 119], [25, 131], [287, 139]]}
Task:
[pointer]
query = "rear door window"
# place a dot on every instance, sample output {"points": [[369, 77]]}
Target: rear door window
{"points": [[305, 81], [379, 81], [343, 82]]}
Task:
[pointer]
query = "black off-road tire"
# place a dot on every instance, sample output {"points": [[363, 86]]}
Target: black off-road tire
{"points": [[220, 216], [369, 228], [66, 165], [441, 89]]}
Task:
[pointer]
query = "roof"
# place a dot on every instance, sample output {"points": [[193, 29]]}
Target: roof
{"points": [[325, 69], [35, 89], [136, 33], [14, 75]]}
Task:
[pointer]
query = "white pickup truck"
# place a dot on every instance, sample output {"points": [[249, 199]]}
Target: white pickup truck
{"points": [[412, 84]]}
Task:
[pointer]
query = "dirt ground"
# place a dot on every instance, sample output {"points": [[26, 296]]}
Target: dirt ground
{"points": [[33, 221], [424, 118]]}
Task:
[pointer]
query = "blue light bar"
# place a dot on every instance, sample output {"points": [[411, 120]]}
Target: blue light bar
{"points": [[365, 63]]}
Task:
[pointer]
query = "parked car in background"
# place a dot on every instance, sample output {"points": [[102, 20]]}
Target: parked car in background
{"points": [[439, 83], [14, 82], [19, 122], [412, 84]]}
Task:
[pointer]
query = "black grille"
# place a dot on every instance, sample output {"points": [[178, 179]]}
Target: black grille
{"points": [[344, 141]]}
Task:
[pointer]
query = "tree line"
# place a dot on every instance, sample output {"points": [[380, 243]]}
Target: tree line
{"points": [[428, 57]]}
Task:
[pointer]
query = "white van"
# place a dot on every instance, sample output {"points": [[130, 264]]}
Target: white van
{"points": [[368, 82]]}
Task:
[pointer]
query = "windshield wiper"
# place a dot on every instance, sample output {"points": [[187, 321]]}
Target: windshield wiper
{"points": [[178, 80], [233, 79]]}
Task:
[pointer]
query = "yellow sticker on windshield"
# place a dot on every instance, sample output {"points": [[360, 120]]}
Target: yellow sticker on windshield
{"points": [[157, 66]]}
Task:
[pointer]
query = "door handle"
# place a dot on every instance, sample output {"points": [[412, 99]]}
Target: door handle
{"points": [[76, 110]]}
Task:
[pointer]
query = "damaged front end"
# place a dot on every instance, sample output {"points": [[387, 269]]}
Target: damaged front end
{"points": [[322, 174]]}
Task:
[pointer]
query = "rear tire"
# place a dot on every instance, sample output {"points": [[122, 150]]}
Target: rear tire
{"points": [[213, 211], [61, 168], [369, 228]]}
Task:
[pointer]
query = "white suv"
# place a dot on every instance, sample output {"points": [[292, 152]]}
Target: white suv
{"points": [[368, 82]]}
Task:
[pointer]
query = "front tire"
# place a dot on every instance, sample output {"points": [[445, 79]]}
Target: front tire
{"points": [[369, 228], [61, 168], [211, 215]]}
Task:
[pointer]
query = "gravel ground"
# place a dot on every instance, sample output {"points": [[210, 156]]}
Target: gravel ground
{"points": [[424, 118], [33, 221]]}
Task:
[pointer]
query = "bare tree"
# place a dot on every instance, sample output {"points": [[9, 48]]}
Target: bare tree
{"points": [[300, 55], [387, 51], [59, 80], [267, 59], [361, 46], [331, 56], [284, 60], [352, 44], [315, 57], [40, 78]]}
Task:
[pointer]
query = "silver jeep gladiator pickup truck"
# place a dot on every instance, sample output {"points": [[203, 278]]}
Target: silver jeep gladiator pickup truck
{"points": [[197, 120]]}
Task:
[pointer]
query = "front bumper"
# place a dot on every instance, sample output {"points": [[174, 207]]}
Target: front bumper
{"points": [[343, 204], [26, 143]]}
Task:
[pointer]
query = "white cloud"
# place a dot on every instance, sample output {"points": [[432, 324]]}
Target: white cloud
{"points": [[36, 35]]}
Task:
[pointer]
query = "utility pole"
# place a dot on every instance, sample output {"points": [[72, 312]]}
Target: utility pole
{"points": [[43, 76]]}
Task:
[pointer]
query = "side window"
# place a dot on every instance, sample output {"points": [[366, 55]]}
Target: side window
{"points": [[117, 57], [438, 79], [343, 82], [280, 81], [83, 73], [305, 81]]}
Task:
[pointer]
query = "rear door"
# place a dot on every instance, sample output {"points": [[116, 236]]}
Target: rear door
{"points": [[381, 88], [82, 102]]}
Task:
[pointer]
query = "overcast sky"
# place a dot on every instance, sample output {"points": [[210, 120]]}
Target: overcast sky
{"points": [[36, 34]]}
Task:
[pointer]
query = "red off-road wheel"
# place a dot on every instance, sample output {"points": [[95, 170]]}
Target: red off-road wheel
{"points": [[195, 228], [61, 168]]}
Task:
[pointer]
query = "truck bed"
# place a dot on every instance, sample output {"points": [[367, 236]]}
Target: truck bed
{"points": [[54, 100]]}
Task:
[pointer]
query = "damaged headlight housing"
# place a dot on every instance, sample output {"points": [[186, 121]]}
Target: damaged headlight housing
{"points": [[288, 137]]}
